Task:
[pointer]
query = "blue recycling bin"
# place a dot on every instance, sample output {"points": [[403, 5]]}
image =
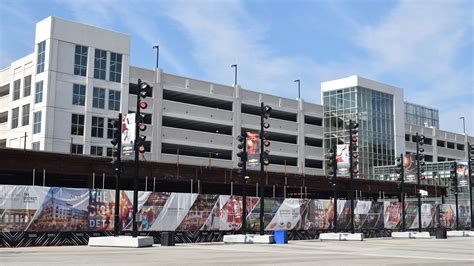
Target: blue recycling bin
{"points": [[281, 237]]}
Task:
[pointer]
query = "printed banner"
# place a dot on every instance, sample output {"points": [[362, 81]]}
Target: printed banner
{"points": [[462, 174], [409, 164], [271, 207], [287, 216], [392, 214], [342, 158], [43, 209], [128, 134], [18, 206], [253, 150]]}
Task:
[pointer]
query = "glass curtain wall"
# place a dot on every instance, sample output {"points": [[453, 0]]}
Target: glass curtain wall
{"points": [[373, 110], [421, 116]]}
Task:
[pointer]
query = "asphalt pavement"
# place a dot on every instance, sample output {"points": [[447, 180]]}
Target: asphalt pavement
{"points": [[375, 251]]}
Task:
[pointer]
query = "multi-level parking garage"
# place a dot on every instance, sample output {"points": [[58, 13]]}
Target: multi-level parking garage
{"points": [[61, 98]]}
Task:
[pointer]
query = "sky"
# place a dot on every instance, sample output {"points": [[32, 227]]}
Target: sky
{"points": [[423, 46]]}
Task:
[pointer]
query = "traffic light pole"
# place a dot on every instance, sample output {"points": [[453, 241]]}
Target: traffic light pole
{"points": [[456, 194], [262, 181], [136, 170], [334, 180], [351, 174], [418, 180], [469, 162], [244, 186], [402, 192], [117, 177]]}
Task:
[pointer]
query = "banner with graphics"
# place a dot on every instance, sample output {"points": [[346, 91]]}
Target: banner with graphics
{"points": [[319, 215], [270, 209], [409, 164], [287, 216], [43, 209], [128, 134], [344, 214], [375, 216], [342, 159], [18, 206], [392, 213], [462, 174], [253, 150]]}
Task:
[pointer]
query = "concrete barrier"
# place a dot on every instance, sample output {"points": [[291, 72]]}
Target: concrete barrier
{"points": [[460, 233], [248, 239], [121, 241], [414, 235], [342, 236]]}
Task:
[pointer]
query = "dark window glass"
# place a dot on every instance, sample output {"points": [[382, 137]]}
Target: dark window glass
{"points": [[78, 94], [27, 86], [115, 67], [100, 62], [97, 129], [77, 125], [80, 60], [41, 57]]}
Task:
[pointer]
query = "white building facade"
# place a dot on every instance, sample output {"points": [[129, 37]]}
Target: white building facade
{"points": [[62, 97]]}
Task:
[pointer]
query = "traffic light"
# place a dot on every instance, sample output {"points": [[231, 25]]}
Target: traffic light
{"points": [[420, 156], [453, 177], [265, 114], [117, 145], [143, 89], [242, 154], [332, 167], [354, 148], [399, 168]]}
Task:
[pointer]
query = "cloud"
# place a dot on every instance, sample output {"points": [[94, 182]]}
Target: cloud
{"points": [[135, 18], [421, 44], [224, 33]]}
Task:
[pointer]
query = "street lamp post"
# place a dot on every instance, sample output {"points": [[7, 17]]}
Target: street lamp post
{"points": [[157, 47], [235, 73], [299, 89], [463, 124]]}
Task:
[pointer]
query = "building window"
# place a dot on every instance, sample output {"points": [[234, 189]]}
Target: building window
{"points": [[16, 89], [39, 92], [80, 60], [35, 146], [25, 120], [100, 62], [114, 100], [97, 127], [41, 57], [15, 113], [110, 128], [110, 152], [115, 67], [78, 94], [77, 125], [27, 86], [36, 122], [95, 150], [98, 98], [77, 148]]}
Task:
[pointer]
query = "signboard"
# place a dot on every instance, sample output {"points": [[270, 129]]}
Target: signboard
{"points": [[409, 163], [253, 149], [462, 174], [128, 134], [342, 159]]}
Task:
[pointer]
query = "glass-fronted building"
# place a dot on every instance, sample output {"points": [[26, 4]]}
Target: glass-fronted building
{"points": [[372, 105], [437, 174], [416, 114], [373, 110]]}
